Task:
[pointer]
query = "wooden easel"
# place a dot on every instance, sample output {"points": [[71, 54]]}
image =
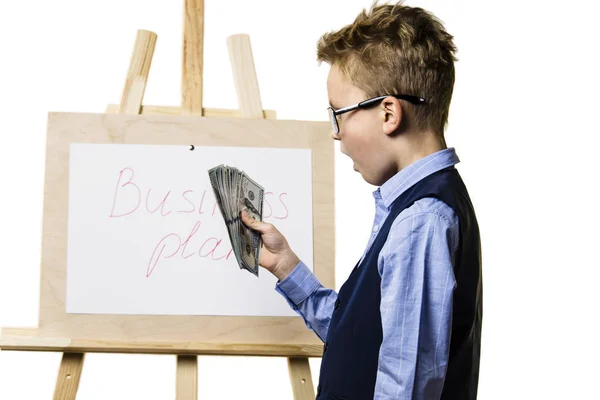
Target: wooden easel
{"points": [[191, 104]]}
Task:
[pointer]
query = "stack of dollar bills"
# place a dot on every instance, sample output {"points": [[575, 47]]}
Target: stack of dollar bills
{"points": [[234, 191]]}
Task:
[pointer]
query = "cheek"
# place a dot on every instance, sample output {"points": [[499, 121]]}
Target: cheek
{"points": [[359, 138], [357, 141], [356, 147]]}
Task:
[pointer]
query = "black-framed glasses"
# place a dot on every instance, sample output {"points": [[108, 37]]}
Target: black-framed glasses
{"points": [[333, 113]]}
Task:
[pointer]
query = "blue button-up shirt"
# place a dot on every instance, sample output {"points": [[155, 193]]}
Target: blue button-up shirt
{"points": [[417, 284]]}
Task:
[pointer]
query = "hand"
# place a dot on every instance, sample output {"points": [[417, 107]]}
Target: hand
{"points": [[276, 256]]}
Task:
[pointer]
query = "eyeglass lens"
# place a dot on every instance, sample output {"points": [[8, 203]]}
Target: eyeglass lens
{"points": [[333, 121]]}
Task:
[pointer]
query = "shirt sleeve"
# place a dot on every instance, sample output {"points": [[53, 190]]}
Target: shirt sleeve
{"points": [[417, 285], [305, 295]]}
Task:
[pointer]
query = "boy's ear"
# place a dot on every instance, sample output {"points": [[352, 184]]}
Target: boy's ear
{"points": [[392, 115]]}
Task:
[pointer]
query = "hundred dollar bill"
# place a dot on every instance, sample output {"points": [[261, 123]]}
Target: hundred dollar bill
{"points": [[234, 190], [215, 181], [251, 199]]}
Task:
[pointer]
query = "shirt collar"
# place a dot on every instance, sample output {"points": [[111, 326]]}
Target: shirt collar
{"points": [[408, 176]]}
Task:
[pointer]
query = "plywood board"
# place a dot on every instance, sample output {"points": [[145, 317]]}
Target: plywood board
{"points": [[67, 128]]}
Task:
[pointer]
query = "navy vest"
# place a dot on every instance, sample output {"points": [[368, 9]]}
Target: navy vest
{"points": [[351, 350]]}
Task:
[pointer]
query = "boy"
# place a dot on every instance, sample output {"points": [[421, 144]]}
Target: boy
{"points": [[407, 322]]}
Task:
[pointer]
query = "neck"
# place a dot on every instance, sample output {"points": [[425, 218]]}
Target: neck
{"points": [[416, 145]]}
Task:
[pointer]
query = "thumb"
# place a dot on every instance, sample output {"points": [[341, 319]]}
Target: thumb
{"points": [[253, 223]]}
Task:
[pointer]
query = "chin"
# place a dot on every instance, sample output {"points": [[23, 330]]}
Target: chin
{"points": [[373, 180], [369, 180]]}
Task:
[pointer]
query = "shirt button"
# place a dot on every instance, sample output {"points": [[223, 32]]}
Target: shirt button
{"points": [[375, 228]]}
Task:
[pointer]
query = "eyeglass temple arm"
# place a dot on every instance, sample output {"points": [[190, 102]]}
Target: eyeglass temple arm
{"points": [[410, 98], [345, 109], [374, 100]]}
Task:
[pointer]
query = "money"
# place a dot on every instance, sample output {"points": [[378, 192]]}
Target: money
{"points": [[234, 190]]}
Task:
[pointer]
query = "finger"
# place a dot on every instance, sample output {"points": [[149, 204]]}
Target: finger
{"points": [[253, 223]]}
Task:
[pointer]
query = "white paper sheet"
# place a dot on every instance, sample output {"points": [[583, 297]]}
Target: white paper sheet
{"points": [[132, 212]]}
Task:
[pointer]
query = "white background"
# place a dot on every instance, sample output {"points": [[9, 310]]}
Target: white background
{"points": [[524, 121]]}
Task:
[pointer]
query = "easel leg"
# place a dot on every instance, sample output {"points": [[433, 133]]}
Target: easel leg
{"points": [[187, 378], [69, 373], [302, 384]]}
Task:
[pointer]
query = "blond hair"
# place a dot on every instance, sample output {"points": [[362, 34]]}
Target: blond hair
{"points": [[397, 49]]}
